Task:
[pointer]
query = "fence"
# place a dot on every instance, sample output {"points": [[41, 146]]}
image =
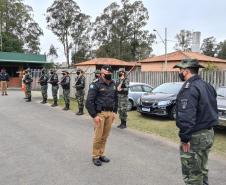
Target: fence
{"points": [[215, 78]]}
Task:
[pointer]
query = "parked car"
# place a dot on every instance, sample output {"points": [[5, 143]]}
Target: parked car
{"points": [[136, 90], [221, 103], [161, 101]]}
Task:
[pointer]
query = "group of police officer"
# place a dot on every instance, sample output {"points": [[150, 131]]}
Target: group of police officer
{"points": [[196, 111]]}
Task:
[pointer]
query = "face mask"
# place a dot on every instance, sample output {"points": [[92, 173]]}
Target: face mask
{"points": [[78, 73], [181, 76], [51, 73], [107, 76], [97, 76], [120, 75]]}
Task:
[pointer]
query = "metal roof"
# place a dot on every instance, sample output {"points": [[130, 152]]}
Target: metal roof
{"points": [[22, 58]]}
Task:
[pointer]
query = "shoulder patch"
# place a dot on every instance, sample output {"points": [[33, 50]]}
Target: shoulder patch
{"points": [[91, 86], [187, 85]]}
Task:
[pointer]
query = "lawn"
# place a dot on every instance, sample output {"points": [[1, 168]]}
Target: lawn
{"points": [[161, 127]]}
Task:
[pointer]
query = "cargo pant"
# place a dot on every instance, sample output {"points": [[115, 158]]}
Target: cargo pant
{"points": [[66, 94], [54, 92], [44, 89], [4, 87], [28, 90], [194, 163], [80, 98], [122, 106], [101, 133]]}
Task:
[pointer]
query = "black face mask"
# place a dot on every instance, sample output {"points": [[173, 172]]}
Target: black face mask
{"points": [[120, 74], [51, 73], [181, 76], [107, 76], [78, 73], [97, 76]]}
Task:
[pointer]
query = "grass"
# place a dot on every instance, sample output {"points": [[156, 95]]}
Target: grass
{"points": [[161, 127]]}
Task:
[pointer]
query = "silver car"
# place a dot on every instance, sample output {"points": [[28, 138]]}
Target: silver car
{"points": [[221, 103], [136, 90]]}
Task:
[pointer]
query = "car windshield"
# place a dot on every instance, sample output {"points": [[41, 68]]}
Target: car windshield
{"points": [[168, 88], [221, 91]]}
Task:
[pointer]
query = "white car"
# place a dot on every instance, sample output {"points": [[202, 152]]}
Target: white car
{"points": [[136, 90]]}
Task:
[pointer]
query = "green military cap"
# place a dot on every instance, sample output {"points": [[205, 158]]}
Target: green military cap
{"points": [[97, 71], [188, 63]]}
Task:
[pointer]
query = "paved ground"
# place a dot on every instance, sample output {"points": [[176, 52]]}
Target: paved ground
{"points": [[40, 145]]}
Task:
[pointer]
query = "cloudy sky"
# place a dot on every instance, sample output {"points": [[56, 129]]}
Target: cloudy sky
{"points": [[206, 16]]}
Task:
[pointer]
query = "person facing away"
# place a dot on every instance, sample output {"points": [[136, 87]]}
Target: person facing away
{"points": [[43, 80], [196, 115], [80, 90], [65, 83], [102, 106], [123, 91], [28, 82], [53, 80], [4, 79]]}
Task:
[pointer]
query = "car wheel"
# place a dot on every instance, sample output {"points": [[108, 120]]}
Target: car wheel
{"points": [[130, 105], [172, 113]]}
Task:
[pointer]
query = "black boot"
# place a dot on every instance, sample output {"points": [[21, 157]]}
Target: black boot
{"points": [[43, 101], [66, 107], [80, 112], [28, 99], [123, 125], [54, 104], [120, 125]]}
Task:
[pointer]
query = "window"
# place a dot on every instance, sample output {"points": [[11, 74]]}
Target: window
{"points": [[136, 88], [147, 88]]}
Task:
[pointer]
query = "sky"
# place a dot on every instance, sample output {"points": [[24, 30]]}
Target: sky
{"points": [[206, 16]]}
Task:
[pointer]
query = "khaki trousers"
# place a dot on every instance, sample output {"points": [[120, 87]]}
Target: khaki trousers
{"points": [[101, 133], [4, 87]]}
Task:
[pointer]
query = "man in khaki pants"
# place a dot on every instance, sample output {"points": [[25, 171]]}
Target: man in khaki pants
{"points": [[102, 106], [4, 78]]}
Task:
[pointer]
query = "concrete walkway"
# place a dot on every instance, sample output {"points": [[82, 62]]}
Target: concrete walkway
{"points": [[41, 145]]}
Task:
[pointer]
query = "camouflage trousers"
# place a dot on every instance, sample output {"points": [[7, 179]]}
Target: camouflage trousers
{"points": [[122, 106], [28, 90], [66, 94], [44, 89], [80, 98], [194, 163], [54, 92]]}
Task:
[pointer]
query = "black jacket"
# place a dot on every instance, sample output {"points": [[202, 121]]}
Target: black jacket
{"points": [[196, 107], [4, 76], [80, 82], [65, 82], [100, 96], [53, 79]]}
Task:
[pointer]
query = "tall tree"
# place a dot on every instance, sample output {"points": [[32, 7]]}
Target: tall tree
{"points": [[221, 50], [209, 46], [60, 17], [18, 27], [120, 32], [184, 39]]}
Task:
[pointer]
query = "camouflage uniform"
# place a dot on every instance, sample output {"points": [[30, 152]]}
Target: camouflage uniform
{"points": [[53, 80], [80, 90], [28, 81], [196, 115], [43, 80], [65, 83], [123, 99]]}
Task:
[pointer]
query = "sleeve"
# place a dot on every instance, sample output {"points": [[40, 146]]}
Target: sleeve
{"points": [[90, 101], [186, 113], [126, 85]]}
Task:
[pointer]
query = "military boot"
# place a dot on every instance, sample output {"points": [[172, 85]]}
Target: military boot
{"points": [[28, 99], [120, 125], [66, 107], [80, 112], [43, 101], [123, 125], [54, 104]]}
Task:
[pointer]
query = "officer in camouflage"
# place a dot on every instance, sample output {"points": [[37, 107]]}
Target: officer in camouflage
{"points": [[196, 115], [43, 80], [80, 90], [28, 81], [122, 89], [65, 83], [53, 80]]}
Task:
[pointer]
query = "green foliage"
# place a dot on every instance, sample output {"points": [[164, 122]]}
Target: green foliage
{"points": [[210, 67], [209, 46], [221, 50], [18, 27], [184, 39], [52, 51], [119, 31]]}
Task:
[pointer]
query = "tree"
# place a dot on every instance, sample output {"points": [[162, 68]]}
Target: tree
{"points": [[209, 46], [60, 17], [210, 67], [184, 39], [221, 50], [119, 32], [18, 27], [52, 52]]}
